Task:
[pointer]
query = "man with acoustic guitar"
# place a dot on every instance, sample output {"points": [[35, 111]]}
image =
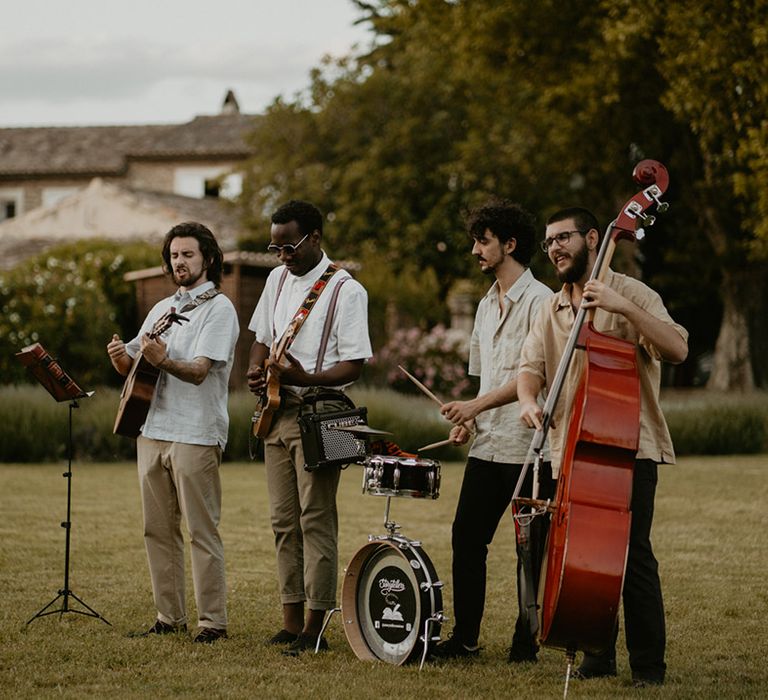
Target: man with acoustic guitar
{"points": [[185, 430], [625, 308], [311, 330]]}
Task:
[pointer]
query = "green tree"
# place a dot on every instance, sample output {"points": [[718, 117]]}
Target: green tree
{"points": [[71, 299], [550, 103], [716, 68]]}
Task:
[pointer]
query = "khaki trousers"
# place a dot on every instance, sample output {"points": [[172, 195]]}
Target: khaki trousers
{"points": [[175, 480], [304, 517]]}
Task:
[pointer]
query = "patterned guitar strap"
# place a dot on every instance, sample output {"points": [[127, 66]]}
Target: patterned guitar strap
{"points": [[176, 316], [200, 299], [296, 323], [306, 306]]}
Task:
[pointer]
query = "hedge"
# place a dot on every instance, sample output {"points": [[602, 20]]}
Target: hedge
{"points": [[34, 426]]}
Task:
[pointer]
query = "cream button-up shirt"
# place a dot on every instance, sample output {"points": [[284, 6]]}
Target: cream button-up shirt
{"points": [[546, 342], [494, 355]]}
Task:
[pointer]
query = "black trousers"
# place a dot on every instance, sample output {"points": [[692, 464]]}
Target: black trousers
{"points": [[486, 492], [643, 604]]}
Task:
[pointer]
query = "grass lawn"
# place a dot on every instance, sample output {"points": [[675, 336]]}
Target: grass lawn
{"points": [[709, 536]]}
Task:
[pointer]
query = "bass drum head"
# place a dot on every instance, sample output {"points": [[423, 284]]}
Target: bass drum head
{"points": [[388, 595]]}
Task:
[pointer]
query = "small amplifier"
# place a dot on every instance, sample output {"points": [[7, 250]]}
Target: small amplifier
{"points": [[326, 446]]}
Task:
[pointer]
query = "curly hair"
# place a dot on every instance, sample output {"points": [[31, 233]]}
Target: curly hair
{"points": [[505, 220], [305, 214], [209, 247]]}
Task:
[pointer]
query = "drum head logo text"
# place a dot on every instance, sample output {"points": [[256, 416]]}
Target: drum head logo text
{"points": [[392, 605]]}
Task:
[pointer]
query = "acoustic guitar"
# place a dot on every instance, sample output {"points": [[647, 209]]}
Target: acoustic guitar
{"points": [[140, 384]]}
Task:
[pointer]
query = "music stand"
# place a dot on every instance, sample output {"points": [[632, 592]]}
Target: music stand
{"points": [[62, 387]]}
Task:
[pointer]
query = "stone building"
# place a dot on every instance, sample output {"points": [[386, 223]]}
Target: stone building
{"points": [[39, 166]]}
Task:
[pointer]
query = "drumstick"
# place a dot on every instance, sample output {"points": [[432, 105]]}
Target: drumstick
{"points": [[433, 445], [467, 425], [420, 385]]}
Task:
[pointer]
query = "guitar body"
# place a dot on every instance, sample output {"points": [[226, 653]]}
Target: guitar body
{"points": [[136, 397], [266, 405], [140, 384]]}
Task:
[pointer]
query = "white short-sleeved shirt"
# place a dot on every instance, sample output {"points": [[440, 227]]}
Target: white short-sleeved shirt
{"points": [[494, 355], [348, 339], [182, 411]]}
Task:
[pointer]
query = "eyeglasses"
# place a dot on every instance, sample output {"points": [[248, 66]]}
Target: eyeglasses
{"points": [[562, 238], [288, 248]]}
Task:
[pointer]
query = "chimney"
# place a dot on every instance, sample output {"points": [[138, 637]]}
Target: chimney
{"points": [[230, 106]]}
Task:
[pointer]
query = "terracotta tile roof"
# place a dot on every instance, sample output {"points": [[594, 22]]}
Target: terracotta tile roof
{"points": [[105, 150]]}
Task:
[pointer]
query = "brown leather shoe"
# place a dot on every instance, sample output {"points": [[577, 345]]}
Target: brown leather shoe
{"points": [[209, 635], [283, 637]]}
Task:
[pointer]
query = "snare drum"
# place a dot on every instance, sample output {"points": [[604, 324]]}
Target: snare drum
{"points": [[391, 600], [401, 476]]}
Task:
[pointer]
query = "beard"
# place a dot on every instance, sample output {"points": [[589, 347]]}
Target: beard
{"points": [[578, 267], [189, 281]]}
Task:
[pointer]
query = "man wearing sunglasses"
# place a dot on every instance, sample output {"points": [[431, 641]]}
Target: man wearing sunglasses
{"points": [[303, 504], [628, 309]]}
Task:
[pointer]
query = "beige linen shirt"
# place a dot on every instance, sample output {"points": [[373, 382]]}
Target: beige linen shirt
{"points": [[494, 353], [546, 342]]}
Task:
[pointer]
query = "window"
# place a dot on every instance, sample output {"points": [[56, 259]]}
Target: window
{"points": [[211, 188], [207, 182], [11, 202]]}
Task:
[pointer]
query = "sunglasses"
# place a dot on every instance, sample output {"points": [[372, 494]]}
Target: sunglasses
{"points": [[288, 248]]}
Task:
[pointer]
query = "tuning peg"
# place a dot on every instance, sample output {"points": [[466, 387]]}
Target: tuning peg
{"points": [[635, 210], [647, 219], [640, 234], [655, 194]]}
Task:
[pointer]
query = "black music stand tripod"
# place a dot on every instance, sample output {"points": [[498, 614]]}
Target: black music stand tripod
{"points": [[62, 387], [66, 593]]}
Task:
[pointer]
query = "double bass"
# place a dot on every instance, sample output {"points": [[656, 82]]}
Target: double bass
{"points": [[583, 571]]}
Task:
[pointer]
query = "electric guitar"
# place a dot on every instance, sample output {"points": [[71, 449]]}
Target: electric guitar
{"points": [[140, 383], [269, 400]]}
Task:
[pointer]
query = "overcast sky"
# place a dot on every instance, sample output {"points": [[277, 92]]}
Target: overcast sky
{"points": [[88, 62]]}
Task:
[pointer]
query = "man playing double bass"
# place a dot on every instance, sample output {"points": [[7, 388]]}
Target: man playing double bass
{"points": [[628, 309]]}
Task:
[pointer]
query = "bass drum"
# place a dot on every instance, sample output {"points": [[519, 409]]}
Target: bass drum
{"points": [[390, 599]]}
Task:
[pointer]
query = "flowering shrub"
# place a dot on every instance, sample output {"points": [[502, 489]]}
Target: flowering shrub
{"points": [[71, 299], [437, 358]]}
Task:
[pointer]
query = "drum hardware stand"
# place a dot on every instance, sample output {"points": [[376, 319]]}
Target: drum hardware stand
{"points": [[425, 638], [389, 525], [325, 624], [65, 592]]}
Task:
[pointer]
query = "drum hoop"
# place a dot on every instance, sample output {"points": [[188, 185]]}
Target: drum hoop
{"points": [[409, 461]]}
